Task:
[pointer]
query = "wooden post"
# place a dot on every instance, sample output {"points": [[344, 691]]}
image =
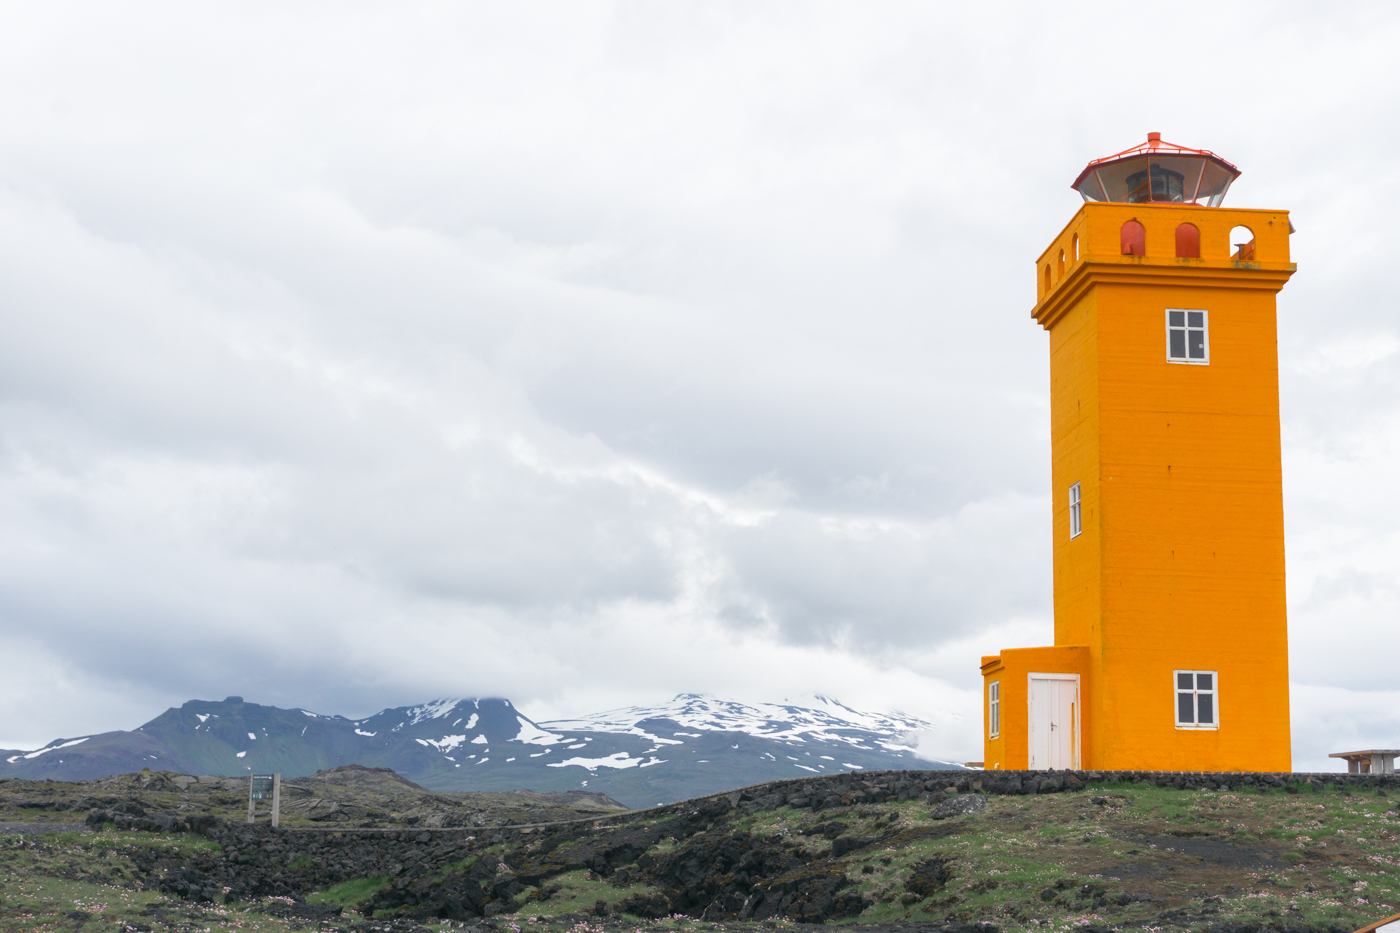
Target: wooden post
{"points": [[276, 797], [251, 782]]}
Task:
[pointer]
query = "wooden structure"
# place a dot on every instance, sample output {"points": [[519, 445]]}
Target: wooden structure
{"points": [[1371, 761]]}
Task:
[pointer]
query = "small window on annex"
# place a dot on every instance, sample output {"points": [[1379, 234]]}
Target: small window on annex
{"points": [[1076, 524], [1196, 706], [1188, 338], [994, 709]]}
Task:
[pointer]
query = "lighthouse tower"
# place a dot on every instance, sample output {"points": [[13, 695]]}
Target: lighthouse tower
{"points": [[1171, 643]]}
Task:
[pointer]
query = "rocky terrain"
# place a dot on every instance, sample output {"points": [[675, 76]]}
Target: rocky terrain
{"points": [[963, 852], [690, 746], [351, 794]]}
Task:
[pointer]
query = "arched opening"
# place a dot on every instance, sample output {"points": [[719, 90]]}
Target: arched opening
{"points": [[1241, 243], [1047, 278], [1134, 239], [1076, 247], [1188, 242], [1060, 272]]}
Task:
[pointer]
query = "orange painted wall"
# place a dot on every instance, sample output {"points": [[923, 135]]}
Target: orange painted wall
{"points": [[1012, 668], [1180, 564], [1075, 428]]}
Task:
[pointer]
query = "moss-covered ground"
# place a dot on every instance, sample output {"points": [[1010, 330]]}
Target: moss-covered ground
{"points": [[1112, 856], [1130, 856]]}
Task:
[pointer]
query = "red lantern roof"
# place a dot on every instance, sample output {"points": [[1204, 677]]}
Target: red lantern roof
{"points": [[1158, 171]]}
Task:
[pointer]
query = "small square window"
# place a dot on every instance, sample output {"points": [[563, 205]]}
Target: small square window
{"points": [[1187, 336], [994, 709], [1076, 524], [1195, 700]]}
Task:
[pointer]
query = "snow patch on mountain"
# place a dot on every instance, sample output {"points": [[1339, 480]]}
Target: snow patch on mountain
{"points": [[44, 751], [446, 744], [434, 710], [618, 722], [615, 760], [532, 734]]}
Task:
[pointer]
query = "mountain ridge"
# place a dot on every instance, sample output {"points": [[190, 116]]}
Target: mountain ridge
{"points": [[642, 755]]}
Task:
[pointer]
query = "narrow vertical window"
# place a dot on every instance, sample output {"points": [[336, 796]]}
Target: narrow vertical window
{"points": [[1076, 525], [1188, 339], [994, 709], [1196, 699]]}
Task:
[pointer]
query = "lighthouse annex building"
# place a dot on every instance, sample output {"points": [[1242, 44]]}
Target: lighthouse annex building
{"points": [[1171, 647]]}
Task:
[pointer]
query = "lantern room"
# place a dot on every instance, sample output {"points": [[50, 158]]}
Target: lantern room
{"points": [[1158, 171]]}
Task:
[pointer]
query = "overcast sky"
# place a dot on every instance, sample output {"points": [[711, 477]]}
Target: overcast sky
{"points": [[353, 355]]}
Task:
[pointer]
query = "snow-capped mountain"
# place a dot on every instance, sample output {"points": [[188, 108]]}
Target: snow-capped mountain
{"points": [[640, 755], [829, 722]]}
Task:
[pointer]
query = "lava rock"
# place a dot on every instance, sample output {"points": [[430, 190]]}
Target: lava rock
{"points": [[928, 876], [961, 805], [846, 844], [646, 906]]}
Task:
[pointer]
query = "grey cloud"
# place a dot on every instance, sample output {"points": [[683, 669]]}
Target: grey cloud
{"points": [[870, 586]]}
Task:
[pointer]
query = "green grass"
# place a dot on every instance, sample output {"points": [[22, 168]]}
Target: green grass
{"points": [[350, 893], [112, 840], [36, 903], [574, 892], [459, 866]]}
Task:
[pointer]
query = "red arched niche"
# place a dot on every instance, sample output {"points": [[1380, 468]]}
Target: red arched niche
{"points": [[1134, 239], [1188, 242]]}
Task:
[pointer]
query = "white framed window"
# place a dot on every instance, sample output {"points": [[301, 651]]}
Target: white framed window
{"points": [[1197, 694], [1188, 336], [1076, 522], [994, 709]]}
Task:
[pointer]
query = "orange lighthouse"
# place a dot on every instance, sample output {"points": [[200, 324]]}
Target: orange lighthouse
{"points": [[1171, 643]]}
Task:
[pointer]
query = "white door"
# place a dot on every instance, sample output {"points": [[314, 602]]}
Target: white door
{"points": [[1054, 721]]}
